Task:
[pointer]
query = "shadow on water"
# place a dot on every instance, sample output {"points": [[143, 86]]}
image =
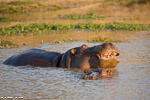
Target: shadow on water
{"points": [[130, 81]]}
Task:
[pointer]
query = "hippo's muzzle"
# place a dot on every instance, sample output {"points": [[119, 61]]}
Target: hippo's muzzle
{"points": [[106, 54], [109, 63]]}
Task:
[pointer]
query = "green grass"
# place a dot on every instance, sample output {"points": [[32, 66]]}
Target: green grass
{"points": [[7, 44], [18, 7], [4, 18], [130, 2], [100, 39], [57, 6], [87, 16], [14, 7], [63, 41], [140, 2], [11, 12], [56, 28], [130, 18], [16, 3]]}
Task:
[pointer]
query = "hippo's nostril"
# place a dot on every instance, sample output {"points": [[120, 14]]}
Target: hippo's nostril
{"points": [[117, 54]]}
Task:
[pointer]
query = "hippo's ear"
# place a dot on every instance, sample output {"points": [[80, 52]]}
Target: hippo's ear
{"points": [[84, 46], [98, 55], [73, 51]]}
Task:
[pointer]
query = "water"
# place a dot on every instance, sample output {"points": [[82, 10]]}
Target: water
{"points": [[132, 82]]}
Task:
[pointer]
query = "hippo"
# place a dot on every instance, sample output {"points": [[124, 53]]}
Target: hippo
{"points": [[43, 58], [99, 56], [96, 74]]}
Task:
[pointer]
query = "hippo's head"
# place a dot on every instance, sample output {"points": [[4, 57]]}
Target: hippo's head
{"points": [[101, 56], [70, 57], [106, 56]]}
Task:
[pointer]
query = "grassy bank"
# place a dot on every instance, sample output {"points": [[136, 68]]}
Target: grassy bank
{"points": [[85, 17], [13, 12], [22, 19], [56, 28]]}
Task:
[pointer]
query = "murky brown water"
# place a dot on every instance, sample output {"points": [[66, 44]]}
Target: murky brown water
{"points": [[131, 82]]}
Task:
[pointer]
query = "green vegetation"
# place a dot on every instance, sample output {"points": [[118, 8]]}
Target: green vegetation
{"points": [[87, 16], [7, 44], [131, 18], [140, 2], [4, 18], [9, 11], [100, 39], [53, 28], [8, 18], [18, 7], [130, 2], [38, 10], [56, 7], [34, 28], [63, 41], [14, 7]]}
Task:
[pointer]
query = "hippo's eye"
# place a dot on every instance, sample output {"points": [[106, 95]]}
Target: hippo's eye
{"points": [[114, 54]]}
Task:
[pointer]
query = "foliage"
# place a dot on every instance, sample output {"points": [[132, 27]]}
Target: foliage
{"points": [[140, 2], [7, 44], [100, 39], [56, 7], [11, 7], [55, 28], [87, 16], [63, 41], [17, 7], [4, 18], [131, 18]]}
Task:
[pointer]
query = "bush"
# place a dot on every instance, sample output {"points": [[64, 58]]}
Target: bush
{"points": [[7, 44]]}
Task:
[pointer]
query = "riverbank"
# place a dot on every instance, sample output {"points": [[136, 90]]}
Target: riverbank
{"points": [[30, 21], [106, 36]]}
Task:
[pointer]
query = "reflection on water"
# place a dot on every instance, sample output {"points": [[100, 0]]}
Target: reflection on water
{"points": [[132, 82]]}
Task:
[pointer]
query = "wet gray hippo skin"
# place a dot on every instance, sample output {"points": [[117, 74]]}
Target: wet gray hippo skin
{"points": [[42, 58], [70, 57], [34, 57], [100, 56]]}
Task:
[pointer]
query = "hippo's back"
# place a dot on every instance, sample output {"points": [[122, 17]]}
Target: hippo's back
{"points": [[34, 57]]}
